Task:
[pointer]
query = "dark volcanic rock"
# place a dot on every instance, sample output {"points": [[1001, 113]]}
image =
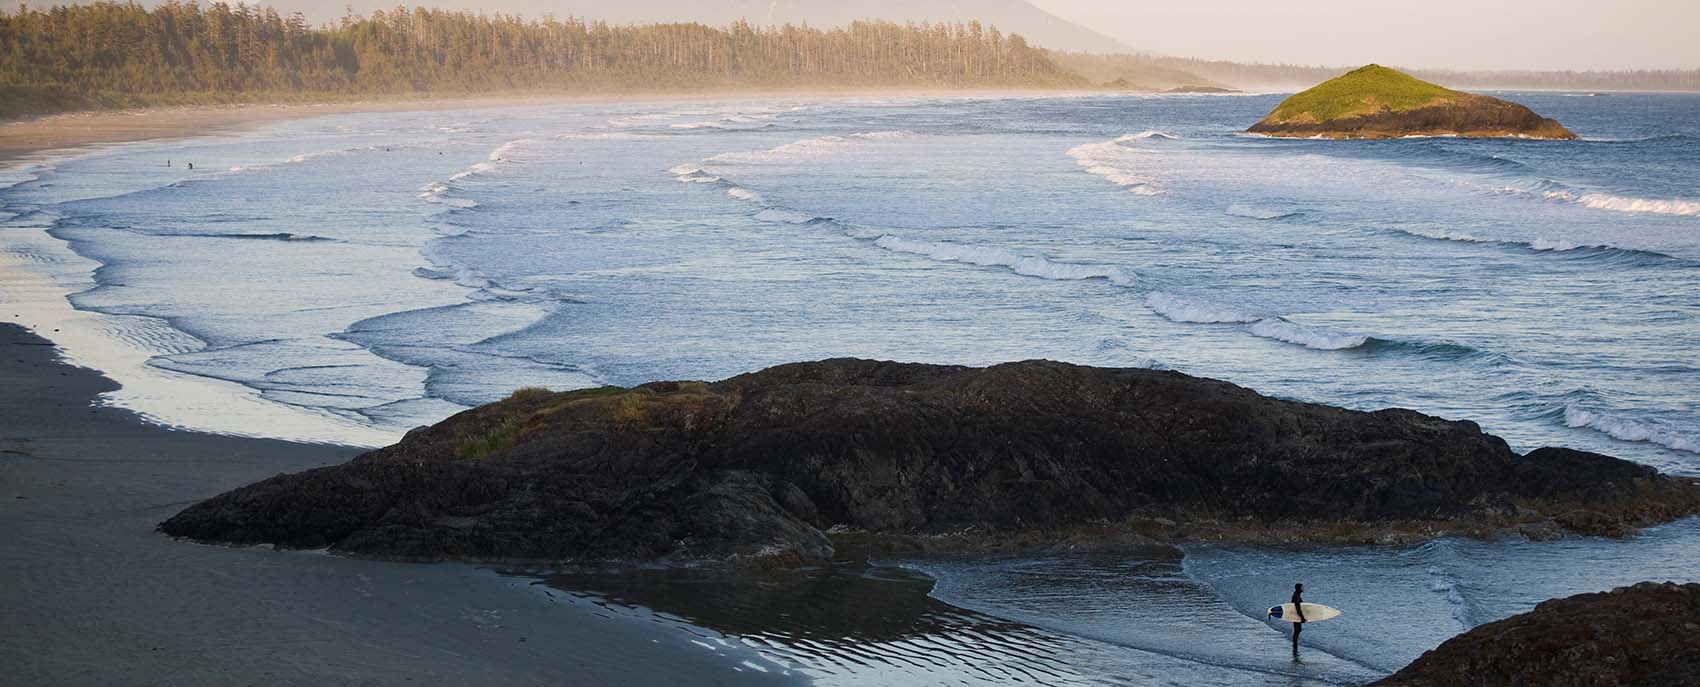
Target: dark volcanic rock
{"points": [[760, 464], [1647, 635]]}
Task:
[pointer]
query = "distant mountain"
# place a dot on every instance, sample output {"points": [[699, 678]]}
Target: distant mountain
{"points": [[1039, 27]]}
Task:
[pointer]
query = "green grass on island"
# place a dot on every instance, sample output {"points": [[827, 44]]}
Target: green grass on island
{"points": [[1364, 90]]}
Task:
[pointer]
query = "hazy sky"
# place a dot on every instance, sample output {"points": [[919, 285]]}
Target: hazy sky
{"points": [[1471, 34]]}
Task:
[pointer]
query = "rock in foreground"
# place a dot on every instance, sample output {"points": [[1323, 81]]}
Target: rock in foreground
{"points": [[762, 464], [1377, 102], [1647, 635]]}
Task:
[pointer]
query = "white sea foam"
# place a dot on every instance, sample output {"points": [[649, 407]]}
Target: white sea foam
{"points": [[1282, 329], [504, 151], [819, 145], [1442, 583], [1554, 244], [1653, 430], [1110, 160], [122, 347], [1606, 201], [604, 136], [692, 174], [731, 122], [1028, 265], [1447, 235], [1179, 308], [742, 193], [437, 192]]}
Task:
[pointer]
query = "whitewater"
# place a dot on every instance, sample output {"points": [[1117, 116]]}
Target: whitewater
{"points": [[346, 278]]}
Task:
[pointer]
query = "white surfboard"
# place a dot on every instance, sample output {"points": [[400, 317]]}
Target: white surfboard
{"points": [[1314, 613]]}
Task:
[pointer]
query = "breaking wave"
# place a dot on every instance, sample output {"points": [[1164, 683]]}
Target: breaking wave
{"points": [[1106, 159], [1282, 329], [1179, 308], [818, 145], [1606, 201], [1581, 250], [439, 191], [1648, 429]]}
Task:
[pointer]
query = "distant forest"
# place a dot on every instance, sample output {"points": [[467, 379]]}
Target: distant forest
{"points": [[118, 55], [109, 55]]}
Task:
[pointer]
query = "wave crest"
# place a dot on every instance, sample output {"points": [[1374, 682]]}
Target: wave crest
{"points": [[1282, 329], [1108, 159], [1177, 308], [1642, 429], [1607, 201]]}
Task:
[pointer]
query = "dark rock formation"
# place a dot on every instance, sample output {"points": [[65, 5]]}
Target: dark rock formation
{"points": [[1647, 635], [1377, 102], [761, 464]]}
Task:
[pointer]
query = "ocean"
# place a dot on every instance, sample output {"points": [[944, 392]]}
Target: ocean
{"points": [[345, 278]]}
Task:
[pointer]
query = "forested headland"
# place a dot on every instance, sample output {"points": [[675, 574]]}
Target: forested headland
{"points": [[119, 55]]}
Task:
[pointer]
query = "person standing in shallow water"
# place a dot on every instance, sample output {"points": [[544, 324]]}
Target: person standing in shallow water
{"points": [[1299, 610]]}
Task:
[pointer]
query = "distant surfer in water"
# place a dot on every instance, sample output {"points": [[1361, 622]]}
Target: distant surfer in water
{"points": [[1299, 609]]}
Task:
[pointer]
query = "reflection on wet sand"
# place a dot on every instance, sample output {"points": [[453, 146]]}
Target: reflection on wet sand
{"points": [[847, 623]]}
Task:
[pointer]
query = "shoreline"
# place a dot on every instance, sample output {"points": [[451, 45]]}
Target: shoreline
{"points": [[37, 281], [35, 136], [82, 486]]}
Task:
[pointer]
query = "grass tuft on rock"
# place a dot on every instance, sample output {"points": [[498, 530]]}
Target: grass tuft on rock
{"points": [[1365, 90], [529, 393], [495, 439]]}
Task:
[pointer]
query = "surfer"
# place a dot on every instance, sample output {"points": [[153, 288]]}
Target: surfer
{"points": [[1298, 608]]}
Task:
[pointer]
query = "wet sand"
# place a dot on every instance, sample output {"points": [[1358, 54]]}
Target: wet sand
{"points": [[91, 595], [23, 138]]}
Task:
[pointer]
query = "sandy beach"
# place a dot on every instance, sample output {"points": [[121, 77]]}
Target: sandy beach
{"points": [[93, 596], [22, 138]]}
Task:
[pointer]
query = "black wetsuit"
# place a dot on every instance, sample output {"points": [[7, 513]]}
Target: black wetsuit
{"points": [[1298, 610]]}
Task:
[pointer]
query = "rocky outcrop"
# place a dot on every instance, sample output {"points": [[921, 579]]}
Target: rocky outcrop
{"points": [[1377, 102], [1647, 635], [762, 464]]}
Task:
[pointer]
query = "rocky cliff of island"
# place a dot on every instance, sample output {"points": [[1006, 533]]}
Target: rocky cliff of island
{"points": [[767, 464], [1378, 102], [1647, 635]]}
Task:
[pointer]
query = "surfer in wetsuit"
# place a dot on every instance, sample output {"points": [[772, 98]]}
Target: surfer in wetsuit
{"points": [[1299, 610]]}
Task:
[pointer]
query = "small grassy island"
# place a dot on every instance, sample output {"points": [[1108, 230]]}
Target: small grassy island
{"points": [[1376, 102]]}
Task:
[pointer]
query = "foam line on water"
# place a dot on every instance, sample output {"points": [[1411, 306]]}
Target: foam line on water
{"points": [[121, 347], [1580, 249], [1178, 308], [1283, 329], [1020, 263], [1629, 204], [1111, 160], [1626, 427]]}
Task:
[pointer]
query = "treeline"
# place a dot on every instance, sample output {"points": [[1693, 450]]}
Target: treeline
{"points": [[110, 54]]}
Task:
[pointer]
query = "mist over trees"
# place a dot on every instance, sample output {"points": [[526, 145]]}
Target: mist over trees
{"points": [[111, 54]]}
